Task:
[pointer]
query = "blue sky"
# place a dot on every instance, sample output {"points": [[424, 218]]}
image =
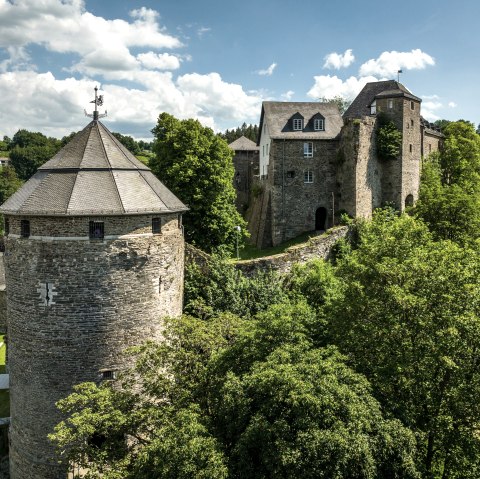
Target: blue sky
{"points": [[217, 60]]}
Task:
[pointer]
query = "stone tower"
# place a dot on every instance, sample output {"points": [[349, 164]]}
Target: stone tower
{"points": [[94, 259]]}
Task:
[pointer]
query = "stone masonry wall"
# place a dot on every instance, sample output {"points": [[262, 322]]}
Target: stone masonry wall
{"points": [[74, 306], [294, 202], [315, 248]]}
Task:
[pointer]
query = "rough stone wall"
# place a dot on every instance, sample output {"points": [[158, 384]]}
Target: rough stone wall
{"points": [[315, 248], [104, 296], [294, 202], [358, 173], [431, 142], [245, 163], [411, 152]]}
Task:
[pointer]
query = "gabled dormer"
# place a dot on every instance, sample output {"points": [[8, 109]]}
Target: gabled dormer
{"points": [[317, 122], [297, 122]]}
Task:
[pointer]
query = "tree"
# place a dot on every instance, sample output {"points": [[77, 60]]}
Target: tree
{"points": [[250, 132], [29, 150], [218, 286], [196, 165], [338, 100], [449, 198], [409, 319], [9, 183], [243, 398], [128, 142]]}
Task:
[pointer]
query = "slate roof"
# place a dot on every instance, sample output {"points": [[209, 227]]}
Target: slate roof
{"points": [[243, 144], [381, 89], [94, 174], [278, 114]]}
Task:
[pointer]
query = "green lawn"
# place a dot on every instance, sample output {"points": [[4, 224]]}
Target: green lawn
{"points": [[4, 395], [251, 252]]}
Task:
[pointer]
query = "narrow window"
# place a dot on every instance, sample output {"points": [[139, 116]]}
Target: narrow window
{"points": [[390, 104], [429, 150], [411, 148], [411, 122], [7, 226], [96, 230], [108, 375], [308, 176], [373, 108], [24, 228], [297, 124], [266, 146], [156, 226], [179, 218], [290, 174], [412, 105], [308, 149], [318, 124]]}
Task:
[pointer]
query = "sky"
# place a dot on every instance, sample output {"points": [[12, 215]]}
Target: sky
{"points": [[217, 60]]}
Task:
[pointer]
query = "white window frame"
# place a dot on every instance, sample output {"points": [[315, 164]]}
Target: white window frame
{"points": [[373, 108], [297, 124], [308, 176], [308, 149], [319, 124], [390, 104]]}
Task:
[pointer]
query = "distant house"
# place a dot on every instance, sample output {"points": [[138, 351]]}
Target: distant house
{"points": [[4, 161], [314, 164]]}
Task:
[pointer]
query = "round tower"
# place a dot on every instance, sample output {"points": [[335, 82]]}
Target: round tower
{"points": [[94, 260]]}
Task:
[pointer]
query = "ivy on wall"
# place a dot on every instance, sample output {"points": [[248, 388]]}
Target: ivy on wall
{"points": [[388, 139]]}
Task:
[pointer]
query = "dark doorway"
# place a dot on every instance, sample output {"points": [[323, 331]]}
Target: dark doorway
{"points": [[409, 201], [321, 218]]}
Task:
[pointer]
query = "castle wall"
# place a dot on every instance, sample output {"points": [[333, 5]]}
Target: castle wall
{"points": [[294, 202], [245, 162], [104, 296], [358, 173]]}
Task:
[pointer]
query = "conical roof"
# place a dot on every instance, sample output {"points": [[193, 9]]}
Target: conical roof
{"points": [[94, 174]]}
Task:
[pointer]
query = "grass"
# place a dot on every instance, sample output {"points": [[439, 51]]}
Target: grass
{"points": [[4, 395], [251, 252]]}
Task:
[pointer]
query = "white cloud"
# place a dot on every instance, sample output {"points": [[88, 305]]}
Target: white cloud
{"points": [[329, 86], [430, 109], [388, 63], [202, 30], [159, 61], [339, 60], [40, 102], [287, 95], [65, 27], [452, 104], [268, 71]]}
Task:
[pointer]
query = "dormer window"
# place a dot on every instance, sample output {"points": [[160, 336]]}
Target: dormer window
{"points": [[319, 124], [373, 108], [298, 124]]}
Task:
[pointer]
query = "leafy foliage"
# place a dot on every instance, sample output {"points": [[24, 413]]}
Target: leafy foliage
{"points": [[338, 100], [248, 131], [9, 183], [196, 165], [449, 199], [220, 287], [236, 398], [388, 139], [408, 316]]}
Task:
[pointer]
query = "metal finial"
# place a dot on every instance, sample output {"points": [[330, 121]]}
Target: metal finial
{"points": [[98, 101]]}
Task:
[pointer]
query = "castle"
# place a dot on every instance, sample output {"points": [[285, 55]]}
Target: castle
{"points": [[94, 245], [314, 164], [94, 255]]}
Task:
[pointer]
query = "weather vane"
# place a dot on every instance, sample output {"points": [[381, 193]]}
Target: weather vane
{"points": [[98, 102]]}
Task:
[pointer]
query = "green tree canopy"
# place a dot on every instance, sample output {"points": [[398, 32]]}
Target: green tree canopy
{"points": [[449, 199], [408, 316], [196, 165], [338, 100]]}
